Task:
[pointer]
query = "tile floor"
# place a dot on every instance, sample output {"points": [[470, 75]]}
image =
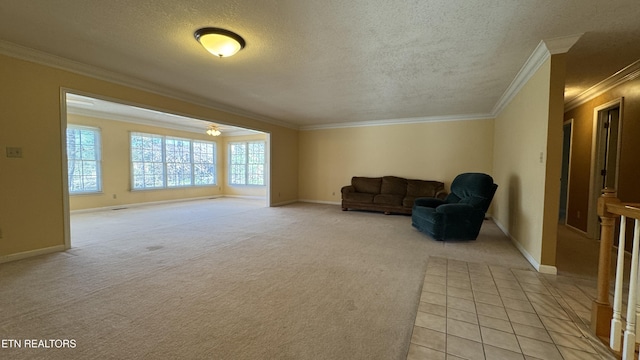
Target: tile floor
{"points": [[478, 311]]}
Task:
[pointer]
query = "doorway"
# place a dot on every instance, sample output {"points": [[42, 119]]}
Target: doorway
{"points": [[605, 157], [139, 156]]}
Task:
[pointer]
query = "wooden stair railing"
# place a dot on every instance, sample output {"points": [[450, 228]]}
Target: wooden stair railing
{"points": [[606, 321]]}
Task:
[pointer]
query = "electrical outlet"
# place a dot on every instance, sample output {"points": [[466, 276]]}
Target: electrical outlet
{"points": [[115, 196], [14, 152]]}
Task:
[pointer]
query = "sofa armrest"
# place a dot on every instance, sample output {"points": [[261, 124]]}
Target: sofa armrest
{"points": [[428, 202], [347, 189]]}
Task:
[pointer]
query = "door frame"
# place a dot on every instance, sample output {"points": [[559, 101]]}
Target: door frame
{"points": [[568, 179], [597, 150]]}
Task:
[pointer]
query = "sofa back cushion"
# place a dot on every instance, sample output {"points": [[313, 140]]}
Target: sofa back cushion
{"points": [[366, 185], [423, 188], [394, 185]]}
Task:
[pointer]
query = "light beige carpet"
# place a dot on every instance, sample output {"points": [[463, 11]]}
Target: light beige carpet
{"points": [[230, 279]]}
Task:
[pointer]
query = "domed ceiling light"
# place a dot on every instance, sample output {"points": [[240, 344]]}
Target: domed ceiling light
{"points": [[220, 42]]}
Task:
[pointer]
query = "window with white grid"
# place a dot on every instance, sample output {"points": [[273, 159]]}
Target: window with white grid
{"points": [[247, 163], [83, 159]]}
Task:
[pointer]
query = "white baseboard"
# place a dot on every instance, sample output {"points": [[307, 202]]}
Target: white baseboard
{"points": [[31, 253], [321, 202], [80, 211], [283, 203], [544, 269]]}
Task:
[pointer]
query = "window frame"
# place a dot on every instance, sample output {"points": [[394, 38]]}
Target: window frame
{"points": [[166, 164], [97, 159], [247, 163]]}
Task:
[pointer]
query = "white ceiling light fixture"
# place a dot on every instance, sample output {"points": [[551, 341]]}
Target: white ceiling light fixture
{"points": [[213, 131], [220, 42]]}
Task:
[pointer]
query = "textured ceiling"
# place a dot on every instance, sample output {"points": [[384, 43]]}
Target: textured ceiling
{"points": [[310, 63]]}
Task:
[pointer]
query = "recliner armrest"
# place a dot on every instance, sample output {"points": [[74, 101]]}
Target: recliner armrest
{"points": [[428, 202]]}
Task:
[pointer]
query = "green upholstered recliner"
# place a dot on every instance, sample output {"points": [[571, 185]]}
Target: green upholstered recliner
{"points": [[460, 215]]}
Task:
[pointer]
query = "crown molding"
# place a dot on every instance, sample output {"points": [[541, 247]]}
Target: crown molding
{"points": [[416, 120], [627, 74], [542, 52], [42, 58]]}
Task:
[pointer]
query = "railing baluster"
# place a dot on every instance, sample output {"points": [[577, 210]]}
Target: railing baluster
{"points": [[616, 321], [629, 345]]}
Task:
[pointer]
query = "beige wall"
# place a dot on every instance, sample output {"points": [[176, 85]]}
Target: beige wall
{"points": [[527, 159], [430, 151], [32, 211]]}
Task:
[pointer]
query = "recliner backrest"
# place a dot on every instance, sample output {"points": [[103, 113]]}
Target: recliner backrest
{"points": [[475, 189]]}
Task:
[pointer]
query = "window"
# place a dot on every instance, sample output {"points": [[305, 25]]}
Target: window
{"points": [[159, 162], [204, 165], [147, 161], [246, 162], [83, 159]]}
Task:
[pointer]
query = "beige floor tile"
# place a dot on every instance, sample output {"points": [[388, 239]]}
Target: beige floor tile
{"points": [[436, 271], [525, 318], [520, 305], [432, 309], [435, 288], [461, 304], [495, 323], [512, 293], [463, 330], [461, 315], [487, 289], [453, 357], [460, 293], [573, 342], [435, 279], [458, 275], [459, 283], [433, 298], [507, 284], [466, 349], [429, 338], [545, 299], [430, 321], [535, 288], [487, 298], [500, 339], [539, 349], [551, 311], [492, 310], [417, 352], [573, 354], [561, 326], [532, 332], [495, 353]]}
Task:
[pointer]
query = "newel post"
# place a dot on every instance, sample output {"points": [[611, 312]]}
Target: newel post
{"points": [[601, 311]]}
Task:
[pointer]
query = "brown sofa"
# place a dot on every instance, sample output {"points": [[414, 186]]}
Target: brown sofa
{"points": [[389, 194]]}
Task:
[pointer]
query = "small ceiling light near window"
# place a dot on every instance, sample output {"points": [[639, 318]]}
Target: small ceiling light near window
{"points": [[213, 131], [220, 42]]}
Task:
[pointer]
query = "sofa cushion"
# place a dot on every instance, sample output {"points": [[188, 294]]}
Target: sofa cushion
{"points": [[393, 185], [388, 199], [359, 197], [366, 185], [423, 188]]}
